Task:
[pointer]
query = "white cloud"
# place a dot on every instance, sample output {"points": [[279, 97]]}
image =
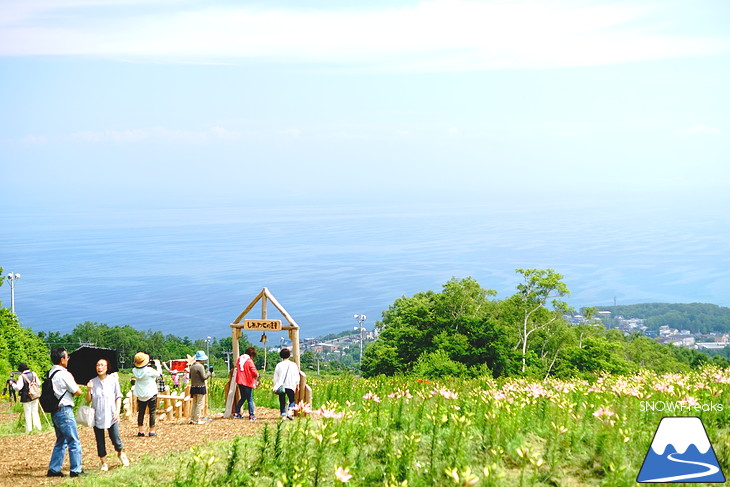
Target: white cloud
{"points": [[162, 134], [438, 35], [225, 134], [30, 140], [699, 130], [110, 136], [215, 134]]}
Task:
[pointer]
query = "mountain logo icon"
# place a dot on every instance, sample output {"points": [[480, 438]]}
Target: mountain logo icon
{"points": [[680, 452]]}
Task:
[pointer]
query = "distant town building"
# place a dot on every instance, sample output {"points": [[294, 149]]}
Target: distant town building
{"points": [[678, 341]]}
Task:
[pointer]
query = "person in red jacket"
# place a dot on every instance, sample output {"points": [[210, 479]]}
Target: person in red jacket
{"points": [[247, 379]]}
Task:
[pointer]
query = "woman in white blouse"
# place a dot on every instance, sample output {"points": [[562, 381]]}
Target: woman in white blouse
{"points": [[105, 395], [286, 382]]}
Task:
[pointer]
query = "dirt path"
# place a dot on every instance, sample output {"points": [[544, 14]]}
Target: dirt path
{"points": [[24, 459]]}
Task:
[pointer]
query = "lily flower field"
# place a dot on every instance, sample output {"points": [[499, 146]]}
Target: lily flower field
{"points": [[408, 432]]}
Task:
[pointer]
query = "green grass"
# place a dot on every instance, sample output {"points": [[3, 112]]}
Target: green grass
{"points": [[155, 468], [13, 423], [408, 432]]}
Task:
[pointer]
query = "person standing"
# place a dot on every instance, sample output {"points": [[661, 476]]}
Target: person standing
{"points": [[145, 388], [198, 375], [30, 406], [186, 376], [64, 423], [173, 374], [105, 396], [10, 389], [246, 378], [286, 382]]}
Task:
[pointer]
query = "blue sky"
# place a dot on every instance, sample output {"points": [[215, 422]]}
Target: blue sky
{"points": [[601, 126], [170, 103]]}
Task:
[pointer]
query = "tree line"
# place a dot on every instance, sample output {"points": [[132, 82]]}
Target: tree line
{"points": [[463, 331], [18, 343], [127, 341], [696, 317]]}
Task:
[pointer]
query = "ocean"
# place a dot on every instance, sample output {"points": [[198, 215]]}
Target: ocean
{"points": [[190, 272]]}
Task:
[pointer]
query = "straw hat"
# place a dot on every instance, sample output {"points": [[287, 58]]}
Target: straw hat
{"points": [[141, 359]]}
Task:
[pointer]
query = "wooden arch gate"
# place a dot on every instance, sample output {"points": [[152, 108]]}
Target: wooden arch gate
{"points": [[304, 393]]}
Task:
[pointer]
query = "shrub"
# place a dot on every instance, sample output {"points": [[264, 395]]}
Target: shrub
{"points": [[438, 364]]}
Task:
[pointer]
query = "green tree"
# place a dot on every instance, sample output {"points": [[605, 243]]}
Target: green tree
{"points": [[382, 357], [461, 299], [19, 344], [458, 321], [599, 353], [553, 341], [438, 364], [531, 302], [648, 354], [128, 341], [404, 333]]}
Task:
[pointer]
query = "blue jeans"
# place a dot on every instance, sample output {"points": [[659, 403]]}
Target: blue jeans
{"points": [[246, 395], [113, 435], [67, 436], [288, 394]]}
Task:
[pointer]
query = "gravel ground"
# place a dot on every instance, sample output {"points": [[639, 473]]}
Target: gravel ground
{"points": [[24, 459]]}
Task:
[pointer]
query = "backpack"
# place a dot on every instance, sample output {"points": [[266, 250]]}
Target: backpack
{"points": [[161, 388], [32, 388], [49, 401]]}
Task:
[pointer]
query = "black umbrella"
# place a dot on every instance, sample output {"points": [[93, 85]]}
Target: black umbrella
{"points": [[82, 362]]}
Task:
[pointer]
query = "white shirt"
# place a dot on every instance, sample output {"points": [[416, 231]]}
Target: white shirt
{"points": [[286, 373], [104, 395], [64, 385], [146, 385]]}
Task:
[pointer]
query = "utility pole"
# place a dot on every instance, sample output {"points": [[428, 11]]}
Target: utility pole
{"points": [[207, 349], [228, 354], [360, 320], [12, 277], [264, 340]]}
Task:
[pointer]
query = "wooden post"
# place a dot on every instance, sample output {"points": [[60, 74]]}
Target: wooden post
{"points": [[129, 405], [179, 403], [188, 402], [227, 389], [304, 393], [231, 396], [187, 406], [294, 337]]}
